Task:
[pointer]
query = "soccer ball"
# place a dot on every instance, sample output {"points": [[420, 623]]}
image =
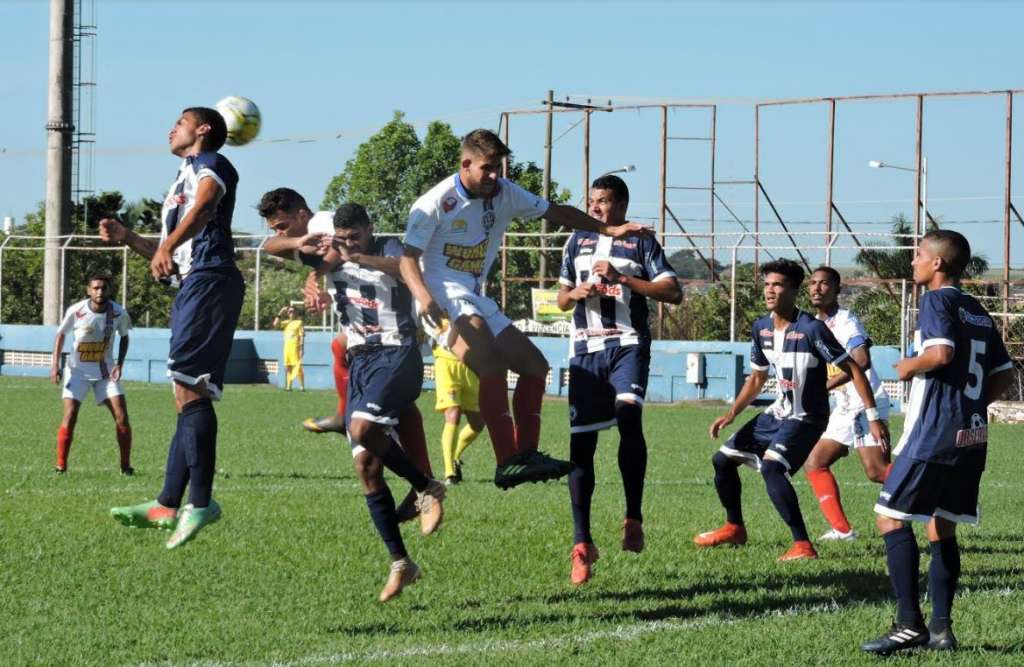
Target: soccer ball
{"points": [[242, 117]]}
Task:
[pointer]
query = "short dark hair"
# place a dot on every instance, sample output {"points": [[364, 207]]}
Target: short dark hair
{"points": [[281, 200], [218, 134], [952, 247], [350, 215], [98, 276], [833, 275], [486, 143], [613, 183], [794, 272]]}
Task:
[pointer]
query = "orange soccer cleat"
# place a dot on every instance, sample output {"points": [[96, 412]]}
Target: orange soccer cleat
{"points": [[801, 550], [584, 555], [730, 533]]}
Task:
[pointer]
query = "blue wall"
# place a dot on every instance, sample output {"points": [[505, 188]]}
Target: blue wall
{"points": [[725, 363]]}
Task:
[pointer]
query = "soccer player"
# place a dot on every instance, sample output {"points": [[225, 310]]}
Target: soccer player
{"points": [[294, 340], [777, 441], [961, 366], [847, 427], [298, 235], [196, 252], [607, 284], [458, 393], [451, 239], [385, 377], [93, 322]]}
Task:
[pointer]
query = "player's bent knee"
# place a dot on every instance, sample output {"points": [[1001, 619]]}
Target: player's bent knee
{"points": [[359, 430], [721, 462], [887, 524], [875, 474], [770, 468], [628, 414]]}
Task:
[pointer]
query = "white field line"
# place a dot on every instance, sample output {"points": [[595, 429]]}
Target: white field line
{"points": [[505, 646]]}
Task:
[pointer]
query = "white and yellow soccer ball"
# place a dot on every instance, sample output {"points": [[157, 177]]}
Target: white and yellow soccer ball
{"points": [[242, 117]]}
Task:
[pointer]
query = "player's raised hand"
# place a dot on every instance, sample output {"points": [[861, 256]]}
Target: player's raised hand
{"points": [[629, 229], [112, 231], [719, 424], [604, 268], [315, 244]]}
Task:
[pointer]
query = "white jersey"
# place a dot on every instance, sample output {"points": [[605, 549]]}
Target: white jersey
{"points": [[850, 332], [460, 234], [92, 355]]}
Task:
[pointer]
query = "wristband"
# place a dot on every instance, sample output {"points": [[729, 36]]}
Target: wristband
{"points": [[872, 414]]}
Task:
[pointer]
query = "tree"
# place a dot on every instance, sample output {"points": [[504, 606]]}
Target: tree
{"points": [[688, 264]]}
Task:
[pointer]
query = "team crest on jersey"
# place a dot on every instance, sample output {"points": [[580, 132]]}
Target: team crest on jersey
{"points": [[977, 434], [458, 226], [488, 220], [449, 204]]}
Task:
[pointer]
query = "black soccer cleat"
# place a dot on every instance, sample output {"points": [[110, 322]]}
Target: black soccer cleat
{"points": [[532, 466], [941, 637], [127, 471], [900, 637]]}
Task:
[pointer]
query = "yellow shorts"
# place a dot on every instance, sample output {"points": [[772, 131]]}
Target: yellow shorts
{"points": [[292, 356], [457, 386]]}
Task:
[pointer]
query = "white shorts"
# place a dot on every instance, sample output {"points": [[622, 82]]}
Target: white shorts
{"points": [[851, 428], [461, 302], [77, 387]]}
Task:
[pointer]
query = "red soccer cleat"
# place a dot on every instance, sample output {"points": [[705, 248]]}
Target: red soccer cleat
{"points": [[632, 536], [584, 555], [730, 533], [801, 550]]}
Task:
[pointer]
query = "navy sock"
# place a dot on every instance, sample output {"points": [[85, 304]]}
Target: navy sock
{"points": [[581, 483], [175, 475], [395, 460], [197, 436], [727, 483], [382, 510], [783, 496], [904, 560], [632, 457], [943, 575]]}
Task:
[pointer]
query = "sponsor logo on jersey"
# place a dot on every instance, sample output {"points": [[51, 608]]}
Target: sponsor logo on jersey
{"points": [[787, 385], [767, 333], [977, 434], [458, 226], [823, 349], [468, 259], [585, 242], [449, 204], [582, 334], [630, 245], [92, 351], [976, 320], [374, 407], [363, 302], [795, 335], [608, 290]]}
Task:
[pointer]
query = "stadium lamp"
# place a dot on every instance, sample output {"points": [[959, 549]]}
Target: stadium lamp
{"points": [[621, 170], [878, 164]]}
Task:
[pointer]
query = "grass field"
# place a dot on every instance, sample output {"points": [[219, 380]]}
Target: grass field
{"points": [[291, 574]]}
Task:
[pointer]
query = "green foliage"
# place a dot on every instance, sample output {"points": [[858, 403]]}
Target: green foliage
{"points": [[280, 282], [688, 265]]}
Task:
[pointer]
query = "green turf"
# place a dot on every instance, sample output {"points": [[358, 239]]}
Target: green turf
{"points": [[290, 575]]}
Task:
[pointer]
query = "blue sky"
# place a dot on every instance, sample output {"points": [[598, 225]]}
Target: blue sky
{"points": [[322, 69]]}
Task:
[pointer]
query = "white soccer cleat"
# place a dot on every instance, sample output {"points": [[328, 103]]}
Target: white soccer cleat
{"points": [[834, 535]]}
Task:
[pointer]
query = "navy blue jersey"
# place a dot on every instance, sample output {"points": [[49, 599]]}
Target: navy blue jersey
{"points": [[212, 247], [800, 356], [615, 315], [375, 308], [947, 417]]}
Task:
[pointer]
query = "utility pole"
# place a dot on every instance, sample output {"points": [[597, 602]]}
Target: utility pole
{"points": [[546, 193], [58, 153]]}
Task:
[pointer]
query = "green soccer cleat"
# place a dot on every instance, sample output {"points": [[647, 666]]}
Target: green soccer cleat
{"points": [[146, 515], [191, 521], [532, 466]]}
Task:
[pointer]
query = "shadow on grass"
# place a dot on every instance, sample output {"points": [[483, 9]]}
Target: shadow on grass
{"points": [[259, 474]]}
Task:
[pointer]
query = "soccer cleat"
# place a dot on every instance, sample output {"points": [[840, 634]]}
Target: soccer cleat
{"points": [[632, 536], [191, 520], [801, 550], [404, 573], [127, 471], [451, 480], [900, 637], [333, 424], [584, 555], [532, 466], [730, 533], [146, 515], [59, 470], [834, 535], [941, 637], [407, 510], [429, 504], [458, 471]]}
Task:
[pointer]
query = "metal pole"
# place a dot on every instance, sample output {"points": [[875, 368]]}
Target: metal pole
{"points": [[124, 277], [663, 201], [732, 297], [714, 125], [1007, 183], [59, 128], [504, 252], [586, 159], [547, 188], [918, 219], [504, 138], [256, 297], [63, 276], [757, 188], [830, 180]]}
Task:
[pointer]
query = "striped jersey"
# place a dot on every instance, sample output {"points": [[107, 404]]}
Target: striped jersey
{"points": [[213, 247], [614, 316], [851, 334], [947, 414], [374, 308], [799, 355], [92, 355]]}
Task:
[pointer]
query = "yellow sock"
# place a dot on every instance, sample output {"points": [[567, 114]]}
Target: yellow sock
{"points": [[302, 378], [448, 448], [466, 437]]}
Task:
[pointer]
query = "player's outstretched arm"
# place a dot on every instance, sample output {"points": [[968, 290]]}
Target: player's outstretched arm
{"points": [[208, 193], [573, 218], [409, 265], [879, 429], [112, 231], [751, 390]]}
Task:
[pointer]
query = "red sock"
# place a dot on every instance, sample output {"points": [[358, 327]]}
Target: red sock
{"points": [[526, 403], [63, 447], [414, 441], [124, 443], [340, 368], [827, 492], [494, 410]]}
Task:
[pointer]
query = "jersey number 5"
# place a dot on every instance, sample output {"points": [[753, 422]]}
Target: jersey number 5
{"points": [[975, 370]]}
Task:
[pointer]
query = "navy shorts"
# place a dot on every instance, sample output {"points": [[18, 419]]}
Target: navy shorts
{"points": [[383, 380], [598, 379], [787, 441], [918, 490], [204, 315]]}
